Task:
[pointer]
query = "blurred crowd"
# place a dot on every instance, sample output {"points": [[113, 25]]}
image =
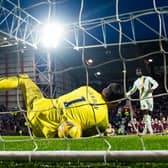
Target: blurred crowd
{"points": [[123, 124], [12, 123]]}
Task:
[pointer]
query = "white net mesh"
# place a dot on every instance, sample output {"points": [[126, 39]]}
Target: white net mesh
{"points": [[82, 32]]}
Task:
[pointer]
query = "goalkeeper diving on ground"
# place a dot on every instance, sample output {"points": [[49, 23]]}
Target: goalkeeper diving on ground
{"points": [[82, 112]]}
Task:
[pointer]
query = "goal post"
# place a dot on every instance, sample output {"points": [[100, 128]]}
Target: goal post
{"points": [[133, 156]]}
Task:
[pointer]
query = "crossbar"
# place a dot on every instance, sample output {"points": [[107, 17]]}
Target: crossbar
{"points": [[133, 156]]}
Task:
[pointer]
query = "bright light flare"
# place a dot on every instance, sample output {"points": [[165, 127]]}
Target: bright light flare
{"points": [[98, 73], [89, 61], [51, 35], [150, 60]]}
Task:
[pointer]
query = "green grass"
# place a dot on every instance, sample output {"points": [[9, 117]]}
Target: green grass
{"points": [[20, 143], [12, 164]]}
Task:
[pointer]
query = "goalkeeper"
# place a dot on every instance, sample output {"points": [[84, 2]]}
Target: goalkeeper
{"points": [[72, 115]]}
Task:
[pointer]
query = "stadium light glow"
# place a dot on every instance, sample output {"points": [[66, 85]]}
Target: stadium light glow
{"points": [[98, 73], [76, 48], [5, 38], [89, 61], [51, 34], [150, 60]]}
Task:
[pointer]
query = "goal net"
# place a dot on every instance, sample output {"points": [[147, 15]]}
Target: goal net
{"points": [[99, 59]]}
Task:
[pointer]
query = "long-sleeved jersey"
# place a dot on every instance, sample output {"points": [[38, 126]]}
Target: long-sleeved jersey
{"points": [[144, 84], [45, 115]]}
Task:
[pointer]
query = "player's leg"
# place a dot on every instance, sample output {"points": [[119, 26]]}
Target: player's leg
{"points": [[143, 106], [149, 123], [149, 119], [8, 83], [29, 89], [145, 130], [147, 106]]}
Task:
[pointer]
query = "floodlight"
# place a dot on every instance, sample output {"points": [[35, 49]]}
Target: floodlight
{"points": [[150, 60], [51, 34], [5, 38], [76, 48], [98, 73], [89, 61]]}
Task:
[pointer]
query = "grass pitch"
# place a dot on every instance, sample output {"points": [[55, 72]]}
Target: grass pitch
{"points": [[22, 143], [126, 143]]}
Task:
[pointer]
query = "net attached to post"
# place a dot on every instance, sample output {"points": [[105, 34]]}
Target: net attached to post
{"points": [[126, 130]]}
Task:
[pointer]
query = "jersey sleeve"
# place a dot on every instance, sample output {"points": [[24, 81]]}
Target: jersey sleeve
{"points": [[133, 89], [154, 83]]}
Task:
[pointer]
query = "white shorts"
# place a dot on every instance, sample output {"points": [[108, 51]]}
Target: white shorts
{"points": [[146, 104]]}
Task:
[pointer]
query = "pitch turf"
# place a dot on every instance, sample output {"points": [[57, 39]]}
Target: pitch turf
{"points": [[21, 143]]}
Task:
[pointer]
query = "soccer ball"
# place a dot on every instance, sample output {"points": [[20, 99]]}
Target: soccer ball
{"points": [[69, 130]]}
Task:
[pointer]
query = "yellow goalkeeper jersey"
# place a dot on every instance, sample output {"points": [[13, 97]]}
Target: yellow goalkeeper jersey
{"points": [[84, 106]]}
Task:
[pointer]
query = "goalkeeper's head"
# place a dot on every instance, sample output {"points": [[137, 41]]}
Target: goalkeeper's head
{"points": [[112, 92], [69, 129]]}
